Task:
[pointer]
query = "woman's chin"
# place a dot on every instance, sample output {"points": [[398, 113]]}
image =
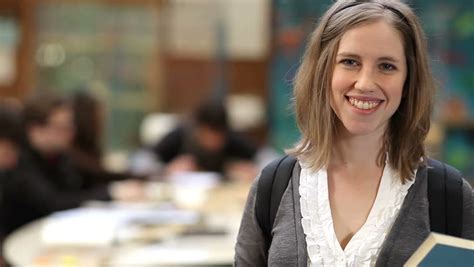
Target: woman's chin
{"points": [[360, 129]]}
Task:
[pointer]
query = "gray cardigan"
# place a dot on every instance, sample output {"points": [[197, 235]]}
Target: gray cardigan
{"points": [[288, 247]]}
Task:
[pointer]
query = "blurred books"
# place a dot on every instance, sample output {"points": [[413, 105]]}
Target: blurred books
{"points": [[95, 226], [443, 250]]}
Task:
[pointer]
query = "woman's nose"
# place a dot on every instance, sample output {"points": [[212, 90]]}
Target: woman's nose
{"points": [[366, 80]]}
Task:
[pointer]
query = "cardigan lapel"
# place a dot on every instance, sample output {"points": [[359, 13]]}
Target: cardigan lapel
{"points": [[300, 236], [411, 226]]}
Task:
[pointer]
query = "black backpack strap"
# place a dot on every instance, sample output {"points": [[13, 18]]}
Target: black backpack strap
{"points": [[445, 198], [271, 185]]}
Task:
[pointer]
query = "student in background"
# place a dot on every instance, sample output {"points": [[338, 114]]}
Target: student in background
{"points": [[45, 179], [206, 144], [9, 141]]}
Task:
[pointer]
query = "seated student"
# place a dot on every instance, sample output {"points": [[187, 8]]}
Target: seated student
{"points": [[205, 144], [45, 180], [9, 139]]}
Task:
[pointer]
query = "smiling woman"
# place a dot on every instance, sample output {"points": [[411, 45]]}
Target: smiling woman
{"points": [[358, 193], [371, 49]]}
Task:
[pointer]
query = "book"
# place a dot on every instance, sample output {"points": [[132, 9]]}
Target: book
{"points": [[443, 250]]}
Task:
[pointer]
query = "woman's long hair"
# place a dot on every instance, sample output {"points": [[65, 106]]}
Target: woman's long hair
{"points": [[404, 138]]}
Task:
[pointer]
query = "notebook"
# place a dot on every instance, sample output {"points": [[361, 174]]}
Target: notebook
{"points": [[443, 250]]}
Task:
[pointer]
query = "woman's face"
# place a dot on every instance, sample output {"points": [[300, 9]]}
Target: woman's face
{"points": [[368, 78], [56, 135]]}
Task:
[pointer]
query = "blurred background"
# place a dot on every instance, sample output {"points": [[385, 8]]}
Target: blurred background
{"points": [[141, 57], [151, 64]]}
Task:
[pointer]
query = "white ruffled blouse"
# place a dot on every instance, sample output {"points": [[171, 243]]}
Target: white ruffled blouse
{"points": [[364, 247]]}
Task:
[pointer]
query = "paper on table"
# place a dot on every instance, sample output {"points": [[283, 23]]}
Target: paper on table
{"points": [[100, 226], [190, 251], [190, 189], [203, 180]]}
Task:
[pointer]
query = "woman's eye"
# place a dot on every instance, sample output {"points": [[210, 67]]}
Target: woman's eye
{"points": [[387, 67], [349, 62]]}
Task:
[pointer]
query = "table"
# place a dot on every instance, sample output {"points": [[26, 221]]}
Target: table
{"points": [[178, 245]]}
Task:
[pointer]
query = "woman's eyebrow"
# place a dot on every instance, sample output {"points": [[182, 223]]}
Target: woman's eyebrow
{"points": [[383, 58], [351, 55], [387, 58]]}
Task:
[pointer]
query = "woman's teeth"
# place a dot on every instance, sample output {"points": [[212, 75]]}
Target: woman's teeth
{"points": [[363, 104]]}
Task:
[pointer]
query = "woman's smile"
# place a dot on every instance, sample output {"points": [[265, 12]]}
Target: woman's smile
{"points": [[364, 105]]}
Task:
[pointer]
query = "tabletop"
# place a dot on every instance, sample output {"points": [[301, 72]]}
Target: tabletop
{"points": [[152, 234]]}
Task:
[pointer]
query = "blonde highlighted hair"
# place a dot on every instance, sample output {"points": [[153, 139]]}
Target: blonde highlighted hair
{"points": [[404, 138]]}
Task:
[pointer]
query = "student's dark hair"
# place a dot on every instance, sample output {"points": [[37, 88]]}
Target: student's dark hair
{"points": [[212, 114], [87, 122], [39, 106]]}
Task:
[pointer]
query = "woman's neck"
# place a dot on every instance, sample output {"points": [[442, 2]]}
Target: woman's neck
{"points": [[357, 152]]}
